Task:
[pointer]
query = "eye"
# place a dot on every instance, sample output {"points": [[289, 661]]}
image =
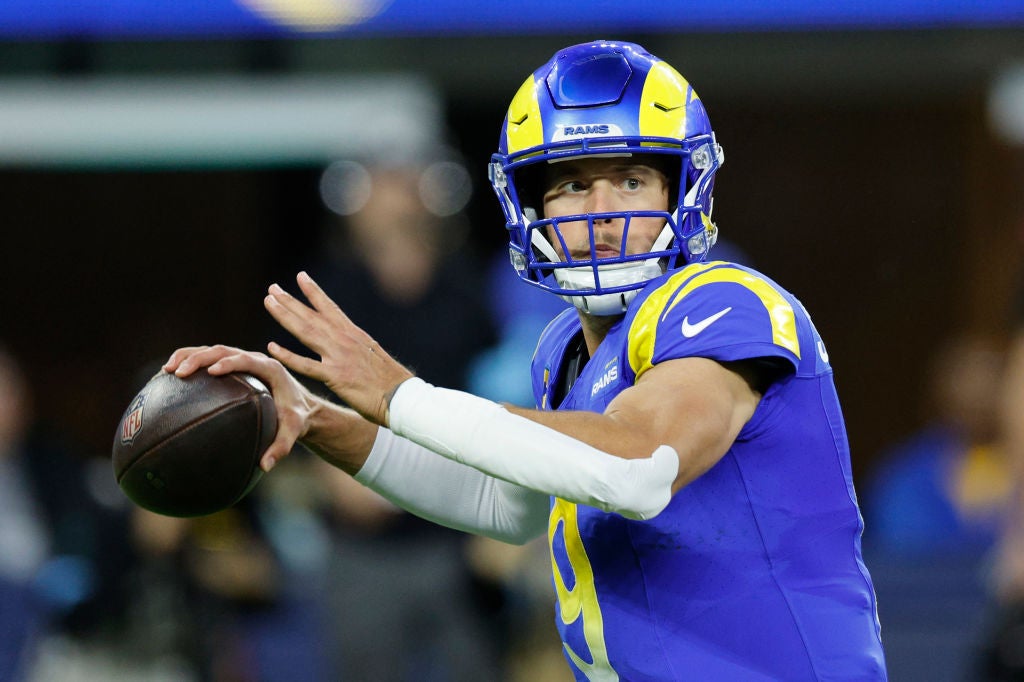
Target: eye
{"points": [[632, 183], [561, 188]]}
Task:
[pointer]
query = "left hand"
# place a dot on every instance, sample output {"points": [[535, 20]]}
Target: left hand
{"points": [[351, 364]]}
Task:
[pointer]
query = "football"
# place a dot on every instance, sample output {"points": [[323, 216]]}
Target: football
{"points": [[191, 446]]}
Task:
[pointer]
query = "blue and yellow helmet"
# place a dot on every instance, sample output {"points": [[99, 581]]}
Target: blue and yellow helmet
{"points": [[599, 99]]}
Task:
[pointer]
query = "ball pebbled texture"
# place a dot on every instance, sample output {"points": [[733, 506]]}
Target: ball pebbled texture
{"points": [[191, 446]]}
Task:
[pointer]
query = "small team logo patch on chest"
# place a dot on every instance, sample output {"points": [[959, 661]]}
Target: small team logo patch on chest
{"points": [[610, 376]]}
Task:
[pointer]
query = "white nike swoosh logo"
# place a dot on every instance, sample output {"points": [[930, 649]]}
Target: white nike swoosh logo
{"points": [[691, 330]]}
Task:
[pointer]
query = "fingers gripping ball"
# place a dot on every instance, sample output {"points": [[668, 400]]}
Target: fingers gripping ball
{"points": [[191, 446]]}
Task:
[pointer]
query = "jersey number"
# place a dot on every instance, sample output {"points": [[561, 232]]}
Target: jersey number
{"points": [[581, 600]]}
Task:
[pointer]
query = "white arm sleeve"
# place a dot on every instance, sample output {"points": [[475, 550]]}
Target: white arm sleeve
{"points": [[452, 494], [483, 434]]}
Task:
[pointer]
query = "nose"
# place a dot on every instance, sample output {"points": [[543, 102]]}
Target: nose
{"points": [[601, 199]]}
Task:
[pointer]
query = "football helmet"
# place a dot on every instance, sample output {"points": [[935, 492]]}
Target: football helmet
{"points": [[605, 99]]}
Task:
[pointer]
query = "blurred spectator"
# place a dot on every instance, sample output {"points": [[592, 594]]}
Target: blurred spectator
{"points": [[397, 262], [61, 532], [405, 604], [196, 583], [24, 533], [212, 600], [93, 589], [934, 508], [1002, 656], [945, 488]]}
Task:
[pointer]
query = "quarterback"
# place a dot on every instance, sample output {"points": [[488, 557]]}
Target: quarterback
{"points": [[687, 460]]}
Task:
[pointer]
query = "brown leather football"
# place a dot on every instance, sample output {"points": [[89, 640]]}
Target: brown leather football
{"points": [[192, 446]]}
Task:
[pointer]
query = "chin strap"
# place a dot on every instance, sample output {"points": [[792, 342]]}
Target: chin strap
{"points": [[612, 275]]}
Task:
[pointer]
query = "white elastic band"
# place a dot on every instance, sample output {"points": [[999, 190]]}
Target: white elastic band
{"points": [[484, 435], [452, 494]]}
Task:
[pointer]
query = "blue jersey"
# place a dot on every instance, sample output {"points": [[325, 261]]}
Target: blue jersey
{"points": [[754, 570]]}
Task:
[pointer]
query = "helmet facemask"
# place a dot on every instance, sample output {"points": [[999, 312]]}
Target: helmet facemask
{"points": [[605, 99], [605, 286]]}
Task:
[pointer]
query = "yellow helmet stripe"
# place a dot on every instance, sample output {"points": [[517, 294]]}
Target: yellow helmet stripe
{"points": [[525, 128], [657, 306], [663, 102]]}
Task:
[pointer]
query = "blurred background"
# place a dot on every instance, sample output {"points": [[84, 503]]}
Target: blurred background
{"points": [[162, 162]]}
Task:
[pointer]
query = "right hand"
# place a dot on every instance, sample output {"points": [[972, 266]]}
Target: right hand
{"points": [[347, 359], [294, 402]]}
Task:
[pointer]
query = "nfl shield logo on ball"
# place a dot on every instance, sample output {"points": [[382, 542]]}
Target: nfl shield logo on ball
{"points": [[132, 422]]}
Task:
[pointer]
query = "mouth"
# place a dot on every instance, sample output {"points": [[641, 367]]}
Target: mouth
{"points": [[600, 252]]}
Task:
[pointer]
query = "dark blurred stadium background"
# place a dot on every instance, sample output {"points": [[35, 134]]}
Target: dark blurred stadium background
{"points": [[864, 166], [160, 164]]}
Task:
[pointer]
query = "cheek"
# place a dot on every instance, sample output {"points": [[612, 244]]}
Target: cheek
{"points": [[574, 234], [552, 235], [642, 234]]}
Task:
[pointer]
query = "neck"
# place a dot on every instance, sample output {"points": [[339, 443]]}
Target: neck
{"points": [[595, 328]]}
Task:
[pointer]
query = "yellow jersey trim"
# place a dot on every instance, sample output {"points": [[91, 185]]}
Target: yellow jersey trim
{"points": [[643, 330]]}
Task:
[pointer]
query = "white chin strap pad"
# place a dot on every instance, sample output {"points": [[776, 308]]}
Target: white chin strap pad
{"points": [[613, 275], [487, 437]]}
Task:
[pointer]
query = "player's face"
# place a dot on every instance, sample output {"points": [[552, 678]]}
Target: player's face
{"points": [[600, 185]]}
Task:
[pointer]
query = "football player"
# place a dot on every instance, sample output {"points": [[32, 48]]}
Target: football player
{"points": [[688, 459]]}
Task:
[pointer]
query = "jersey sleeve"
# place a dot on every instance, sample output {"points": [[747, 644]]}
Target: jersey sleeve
{"points": [[717, 310], [548, 353]]}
